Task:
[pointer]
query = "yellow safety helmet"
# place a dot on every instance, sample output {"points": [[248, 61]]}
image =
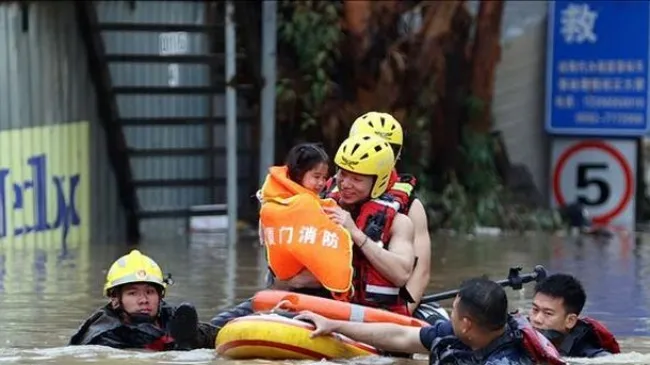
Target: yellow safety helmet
{"points": [[134, 268], [382, 124], [367, 154]]}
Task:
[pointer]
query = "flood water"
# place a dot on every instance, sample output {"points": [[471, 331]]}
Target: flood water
{"points": [[45, 292]]}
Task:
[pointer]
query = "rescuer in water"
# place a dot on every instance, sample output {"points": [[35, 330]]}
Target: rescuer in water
{"points": [[480, 331], [557, 304], [137, 317]]}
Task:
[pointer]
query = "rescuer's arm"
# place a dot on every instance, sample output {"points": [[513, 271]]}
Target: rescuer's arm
{"points": [[385, 336], [395, 263], [422, 249]]}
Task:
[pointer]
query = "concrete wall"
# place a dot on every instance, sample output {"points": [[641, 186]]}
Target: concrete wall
{"points": [[519, 102], [48, 108]]}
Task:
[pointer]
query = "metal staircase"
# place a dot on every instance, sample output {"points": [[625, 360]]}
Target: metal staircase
{"points": [[168, 102], [108, 114]]}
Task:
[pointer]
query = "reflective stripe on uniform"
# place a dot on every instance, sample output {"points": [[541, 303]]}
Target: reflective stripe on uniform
{"points": [[391, 204], [385, 290], [404, 187]]}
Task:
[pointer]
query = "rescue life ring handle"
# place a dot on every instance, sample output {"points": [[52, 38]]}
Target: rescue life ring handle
{"points": [[514, 281]]}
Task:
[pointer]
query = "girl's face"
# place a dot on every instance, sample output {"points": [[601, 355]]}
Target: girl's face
{"points": [[316, 178]]}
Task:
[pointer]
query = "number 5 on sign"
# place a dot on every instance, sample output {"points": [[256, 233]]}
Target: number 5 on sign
{"points": [[592, 177], [598, 173]]}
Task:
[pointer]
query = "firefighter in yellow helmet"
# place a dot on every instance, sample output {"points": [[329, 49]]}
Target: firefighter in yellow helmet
{"points": [[136, 315], [383, 125], [402, 188], [383, 253]]}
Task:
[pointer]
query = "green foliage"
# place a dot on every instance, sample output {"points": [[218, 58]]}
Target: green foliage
{"points": [[312, 30], [473, 196], [480, 199]]}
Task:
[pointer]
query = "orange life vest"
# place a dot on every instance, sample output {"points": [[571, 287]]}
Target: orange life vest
{"points": [[371, 288], [298, 235]]}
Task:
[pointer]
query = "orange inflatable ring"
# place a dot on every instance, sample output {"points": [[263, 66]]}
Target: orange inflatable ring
{"points": [[266, 300]]}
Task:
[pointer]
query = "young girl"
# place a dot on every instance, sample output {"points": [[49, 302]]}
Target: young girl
{"points": [[289, 218], [306, 168], [308, 165]]}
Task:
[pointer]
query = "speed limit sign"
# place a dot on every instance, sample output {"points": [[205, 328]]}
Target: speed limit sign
{"points": [[600, 174]]}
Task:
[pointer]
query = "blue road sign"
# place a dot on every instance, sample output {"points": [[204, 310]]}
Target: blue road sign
{"points": [[597, 68]]}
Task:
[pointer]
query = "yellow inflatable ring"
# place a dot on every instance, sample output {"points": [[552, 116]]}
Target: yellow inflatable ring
{"points": [[270, 336]]}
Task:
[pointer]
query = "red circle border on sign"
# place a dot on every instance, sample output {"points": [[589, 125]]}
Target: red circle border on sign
{"points": [[627, 170]]}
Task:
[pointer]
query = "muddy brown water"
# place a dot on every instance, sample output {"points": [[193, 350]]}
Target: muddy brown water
{"points": [[47, 290]]}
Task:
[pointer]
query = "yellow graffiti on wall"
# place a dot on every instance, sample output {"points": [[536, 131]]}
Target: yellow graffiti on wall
{"points": [[45, 186]]}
